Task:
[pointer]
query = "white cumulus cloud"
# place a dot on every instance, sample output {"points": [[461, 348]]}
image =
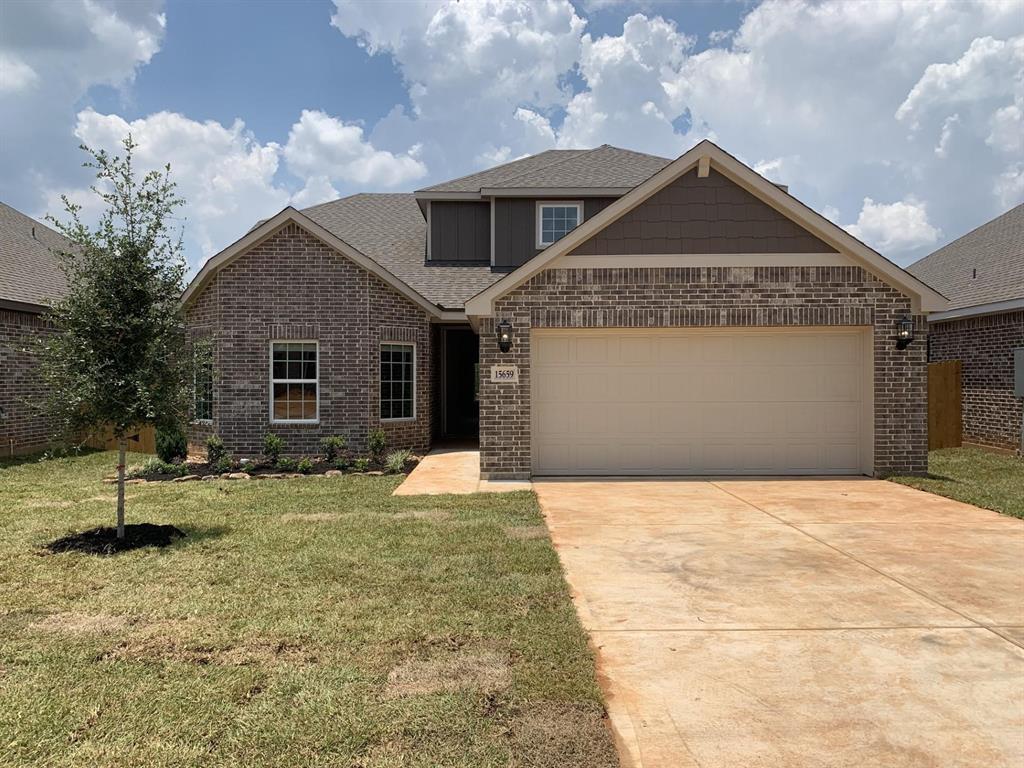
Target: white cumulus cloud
{"points": [[894, 227]]}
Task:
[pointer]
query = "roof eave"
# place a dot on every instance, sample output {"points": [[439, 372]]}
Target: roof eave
{"points": [[977, 310]]}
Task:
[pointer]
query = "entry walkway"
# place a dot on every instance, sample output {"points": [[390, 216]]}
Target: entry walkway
{"points": [[453, 470]]}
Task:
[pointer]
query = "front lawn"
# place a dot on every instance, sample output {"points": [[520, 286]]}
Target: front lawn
{"points": [[975, 476], [306, 622]]}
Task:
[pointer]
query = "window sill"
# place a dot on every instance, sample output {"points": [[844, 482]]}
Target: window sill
{"points": [[202, 422], [298, 422], [398, 421]]}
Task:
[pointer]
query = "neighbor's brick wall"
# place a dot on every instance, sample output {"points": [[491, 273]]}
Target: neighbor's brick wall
{"points": [[293, 286], [683, 297], [984, 345], [22, 429]]}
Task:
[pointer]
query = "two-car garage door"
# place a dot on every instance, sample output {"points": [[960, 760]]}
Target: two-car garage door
{"points": [[708, 401]]}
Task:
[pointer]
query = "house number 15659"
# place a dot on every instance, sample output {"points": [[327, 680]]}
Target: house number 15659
{"points": [[505, 374]]}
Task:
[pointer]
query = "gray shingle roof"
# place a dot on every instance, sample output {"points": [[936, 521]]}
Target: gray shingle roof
{"points": [[29, 272], [389, 228], [984, 266], [500, 174], [603, 167]]}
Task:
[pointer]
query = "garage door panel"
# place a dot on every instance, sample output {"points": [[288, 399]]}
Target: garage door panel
{"points": [[701, 402]]}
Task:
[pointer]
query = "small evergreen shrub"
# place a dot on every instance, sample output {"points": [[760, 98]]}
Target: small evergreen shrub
{"points": [[395, 461], [332, 447], [342, 462], [224, 464], [171, 444], [361, 464], [286, 464], [214, 450], [305, 465], [273, 445], [377, 442]]}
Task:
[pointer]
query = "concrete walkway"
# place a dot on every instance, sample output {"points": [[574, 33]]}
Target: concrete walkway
{"points": [[800, 623], [453, 470]]}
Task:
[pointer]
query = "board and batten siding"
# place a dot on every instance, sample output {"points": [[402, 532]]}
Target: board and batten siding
{"points": [[460, 231], [515, 227]]}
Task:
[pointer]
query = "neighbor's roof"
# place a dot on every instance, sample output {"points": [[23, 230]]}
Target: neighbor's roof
{"points": [[390, 230], [29, 272], [983, 267], [603, 167]]}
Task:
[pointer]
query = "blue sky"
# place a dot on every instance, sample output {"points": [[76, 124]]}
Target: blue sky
{"points": [[901, 121]]}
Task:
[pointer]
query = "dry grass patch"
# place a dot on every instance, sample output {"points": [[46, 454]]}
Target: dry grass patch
{"points": [[561, 734], [72, 623], [309, 517], [528, 532], [256, 653], [447, 672]]}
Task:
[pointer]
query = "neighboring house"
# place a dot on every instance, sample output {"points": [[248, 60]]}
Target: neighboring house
{"points": [[982, 273], [30, 279], [627, 314]]}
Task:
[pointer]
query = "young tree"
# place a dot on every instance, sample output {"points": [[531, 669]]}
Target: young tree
{"points": [[117, 356]]}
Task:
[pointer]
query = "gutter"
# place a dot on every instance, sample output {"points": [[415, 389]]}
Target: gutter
{"points": [[992, 308]]}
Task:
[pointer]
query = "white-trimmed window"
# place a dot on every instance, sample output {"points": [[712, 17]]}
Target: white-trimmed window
{"points": [[294, 372], [556, 219], [397, 381], [202, 382]]}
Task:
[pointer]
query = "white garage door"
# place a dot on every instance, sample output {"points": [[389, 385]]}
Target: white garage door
{"points": [[710, 401]]}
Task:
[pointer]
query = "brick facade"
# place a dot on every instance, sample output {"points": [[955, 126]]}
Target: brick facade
{"points": [[22, 429], [293, 286], [984, 345], [687, 297]]}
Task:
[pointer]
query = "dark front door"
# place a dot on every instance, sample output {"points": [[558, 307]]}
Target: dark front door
{"points": [[461, 403]]}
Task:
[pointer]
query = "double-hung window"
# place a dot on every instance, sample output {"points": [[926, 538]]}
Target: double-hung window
{"points": [[294, 370], [202, 381], [397, 381], [555, 220]]}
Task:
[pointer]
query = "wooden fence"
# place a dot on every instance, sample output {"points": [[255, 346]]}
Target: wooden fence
{"points": [[141, 441], [945, 420]]}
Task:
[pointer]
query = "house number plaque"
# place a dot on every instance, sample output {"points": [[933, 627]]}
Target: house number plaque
{"points": [[505, 374]]}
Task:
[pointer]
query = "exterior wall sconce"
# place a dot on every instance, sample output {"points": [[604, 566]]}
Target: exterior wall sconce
{"points": [[904, 333], [504, 330]]}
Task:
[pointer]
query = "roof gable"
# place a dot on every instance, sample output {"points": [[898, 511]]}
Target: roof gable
{"points": [[702, 215], [706, 156], [984, 266]]}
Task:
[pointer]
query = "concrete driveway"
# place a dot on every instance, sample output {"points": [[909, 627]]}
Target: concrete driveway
{"points": [[812, 622]]}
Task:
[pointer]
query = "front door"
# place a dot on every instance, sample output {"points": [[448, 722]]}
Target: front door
{"points": [[461, 394]]}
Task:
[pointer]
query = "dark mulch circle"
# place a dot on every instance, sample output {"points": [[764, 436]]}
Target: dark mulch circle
{"points": [[104, 541]]}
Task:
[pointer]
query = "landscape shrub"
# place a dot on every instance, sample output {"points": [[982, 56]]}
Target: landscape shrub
{"points": [[273, 445], [332, 447], [305, 465], [214, 450], [396, 460], [286, 464], [361, 464], [171, 444], [377, 442]]}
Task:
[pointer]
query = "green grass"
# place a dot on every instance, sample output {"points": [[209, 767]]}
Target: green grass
{"points": [[315, 621], [975, 476]]}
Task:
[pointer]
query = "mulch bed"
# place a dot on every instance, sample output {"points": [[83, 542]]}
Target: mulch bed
{"points": [[104, 541], [256, 469]]}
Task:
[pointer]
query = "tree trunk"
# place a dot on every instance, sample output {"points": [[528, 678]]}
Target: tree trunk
{"points": [[122, 445]]}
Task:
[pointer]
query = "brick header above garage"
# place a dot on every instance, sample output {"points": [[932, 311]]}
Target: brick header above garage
{"points": [[708, 297]]}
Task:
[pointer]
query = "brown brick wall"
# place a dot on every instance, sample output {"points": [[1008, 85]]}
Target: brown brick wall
{"points": [[984, 345], [22, 429], [293, 286], [683, 297]]}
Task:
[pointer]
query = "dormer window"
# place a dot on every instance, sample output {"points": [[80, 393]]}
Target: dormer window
{"points": [[556, 219]]}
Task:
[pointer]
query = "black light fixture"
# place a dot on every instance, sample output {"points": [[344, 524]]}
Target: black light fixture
{"points": [[904, 332], [504, 329]]}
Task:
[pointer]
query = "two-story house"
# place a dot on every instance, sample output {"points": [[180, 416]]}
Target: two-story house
{"points": [[579, 312]]}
